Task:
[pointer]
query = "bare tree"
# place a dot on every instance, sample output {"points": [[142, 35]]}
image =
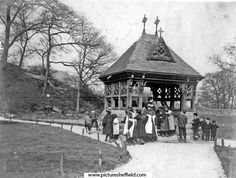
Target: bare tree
{"points": [[93, 55], [218, 88], [9, 11], [55, 34]]}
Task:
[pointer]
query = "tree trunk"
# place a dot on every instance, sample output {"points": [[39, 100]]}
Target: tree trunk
{"points": [[21, 59], [3, 96], [22, 55], [46, 74], [78, 98]]}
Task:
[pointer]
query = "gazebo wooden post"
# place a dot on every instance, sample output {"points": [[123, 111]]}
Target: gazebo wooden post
{"points": [[128, 94], [140, 95], [112, 96], [119, 99], [183, 97], [105, 98], [194, 97]]}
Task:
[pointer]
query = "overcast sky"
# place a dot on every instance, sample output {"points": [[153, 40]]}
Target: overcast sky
{"points": [[194, 30]]}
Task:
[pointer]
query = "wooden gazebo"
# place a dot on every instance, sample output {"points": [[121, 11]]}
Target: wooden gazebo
{"points": [[149, 62]]}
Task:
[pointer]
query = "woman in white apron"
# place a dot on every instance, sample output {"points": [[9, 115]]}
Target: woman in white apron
{"points": [[171, 122], [116, 129], [125, 122], [150, 126]]}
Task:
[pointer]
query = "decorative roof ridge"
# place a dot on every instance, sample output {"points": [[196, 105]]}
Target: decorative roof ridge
{"points": [[148, 37]]}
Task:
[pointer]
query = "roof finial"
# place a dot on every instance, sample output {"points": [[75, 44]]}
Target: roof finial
{"points": [[144, 22], [160, 31], [156, 23]]}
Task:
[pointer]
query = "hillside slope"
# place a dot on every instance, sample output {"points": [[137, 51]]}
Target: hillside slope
{"points": [[24, 91]]}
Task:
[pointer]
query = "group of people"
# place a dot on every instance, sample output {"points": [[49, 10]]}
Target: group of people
{"points": [[144, 125], [204, 128], [90, 119]]}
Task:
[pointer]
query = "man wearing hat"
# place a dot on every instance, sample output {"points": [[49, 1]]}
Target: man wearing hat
{"points": [[107, 124], [182, 121]]}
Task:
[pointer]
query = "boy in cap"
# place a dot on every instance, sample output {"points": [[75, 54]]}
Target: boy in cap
{"points": [[203, 124], [207, 128], [195, 126], [214, 128]]}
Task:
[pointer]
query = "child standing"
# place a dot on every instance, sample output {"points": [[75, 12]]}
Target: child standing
{"points": [[171, 121], [203, 123], [94, 119], [195, 126], [214, 128], [208, 128], [87, 122]]}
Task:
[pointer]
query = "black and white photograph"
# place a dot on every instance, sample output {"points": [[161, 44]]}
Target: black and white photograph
{"points": [[117, 88]]}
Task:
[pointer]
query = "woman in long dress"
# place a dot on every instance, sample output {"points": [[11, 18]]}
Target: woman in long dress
{"points": [[108, 125], [143, 121], [137, 127], [150, 127], [125, 122], [131, 125]]}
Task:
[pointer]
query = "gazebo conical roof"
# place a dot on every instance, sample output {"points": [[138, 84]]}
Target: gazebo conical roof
{"points": [[150, 54]]}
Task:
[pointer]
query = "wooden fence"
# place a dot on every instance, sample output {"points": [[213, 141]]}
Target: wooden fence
{"points": [[227, 157], [123, 152]]}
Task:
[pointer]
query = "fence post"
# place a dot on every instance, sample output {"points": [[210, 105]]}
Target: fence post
{"points": [[100, 157], [229, 162], [71, 127], [83, 131], [223, 143], [61, 164], [215, 142], [61, 125], [98, 137]]}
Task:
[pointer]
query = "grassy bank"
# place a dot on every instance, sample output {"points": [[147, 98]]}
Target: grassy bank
{"points": [[227, 157], [29, 150]]}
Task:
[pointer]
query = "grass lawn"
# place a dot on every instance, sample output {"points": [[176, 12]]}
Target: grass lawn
{"points": [[28, 150]]}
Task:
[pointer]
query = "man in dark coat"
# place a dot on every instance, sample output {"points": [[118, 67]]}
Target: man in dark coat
{"points": [[107, 123], [182, 121]]}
